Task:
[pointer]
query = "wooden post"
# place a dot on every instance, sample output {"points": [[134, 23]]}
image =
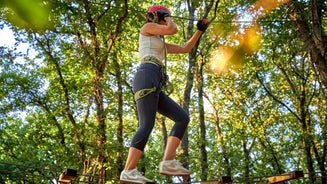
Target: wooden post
{"points": [[285, 177], [221, 180]]}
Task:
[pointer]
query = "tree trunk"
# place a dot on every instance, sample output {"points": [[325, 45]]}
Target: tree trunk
{"points": [[247, 161], [119, 130], [191, 68], [314, 40], [98, 59], [164, 131], [189, 84], [46, 48], [204, 154]]}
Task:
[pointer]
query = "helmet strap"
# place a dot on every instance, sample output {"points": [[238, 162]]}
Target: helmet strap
{"points": [[152, 17]]}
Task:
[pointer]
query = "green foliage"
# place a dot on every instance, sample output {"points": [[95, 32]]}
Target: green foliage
{"points": [[33, 14]]}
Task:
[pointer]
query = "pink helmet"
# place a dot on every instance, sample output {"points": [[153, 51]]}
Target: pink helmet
{"points": [[156, 8]]}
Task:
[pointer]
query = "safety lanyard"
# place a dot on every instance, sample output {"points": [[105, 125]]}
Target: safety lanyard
{"points": [[165, 50]]}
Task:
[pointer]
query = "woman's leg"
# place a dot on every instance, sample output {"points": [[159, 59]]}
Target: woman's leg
{"points": [[130, 173], [169, 108], [171, 147], [133, 157], [147, 107], [175, 112]]}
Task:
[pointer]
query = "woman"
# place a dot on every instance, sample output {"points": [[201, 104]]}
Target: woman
{"points": [[147, 84]]}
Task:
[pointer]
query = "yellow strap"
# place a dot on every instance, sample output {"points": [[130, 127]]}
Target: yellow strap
{"points": [[143, 92]]}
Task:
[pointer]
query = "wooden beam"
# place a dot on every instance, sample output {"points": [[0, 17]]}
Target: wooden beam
{"points": [[221, 180], [285, 177]]}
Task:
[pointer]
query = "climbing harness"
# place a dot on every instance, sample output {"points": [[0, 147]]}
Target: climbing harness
{"points": [[143, 92], [151, 59]]}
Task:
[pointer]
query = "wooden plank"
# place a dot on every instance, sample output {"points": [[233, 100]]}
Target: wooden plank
{"points": [[285, 177], [129, 182], [67, 176], [221, 180]]}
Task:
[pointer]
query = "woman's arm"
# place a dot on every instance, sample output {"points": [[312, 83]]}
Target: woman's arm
{"points": [[176, 49], [202, 25], [167, 27]]}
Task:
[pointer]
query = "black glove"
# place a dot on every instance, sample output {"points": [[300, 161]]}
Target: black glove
{"points": [[202, 24], [162, 15]]}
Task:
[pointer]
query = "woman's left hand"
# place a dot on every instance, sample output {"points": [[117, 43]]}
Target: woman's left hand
{"points": [[202, 24]]}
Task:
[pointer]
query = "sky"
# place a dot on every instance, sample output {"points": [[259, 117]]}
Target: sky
{"points": [[7, 38]]}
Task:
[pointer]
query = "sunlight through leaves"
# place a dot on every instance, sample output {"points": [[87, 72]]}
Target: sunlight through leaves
{"points": [[243, 39]]}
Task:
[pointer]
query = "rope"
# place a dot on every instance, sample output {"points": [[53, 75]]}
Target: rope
{"points": [[166, 82], [256, 179], [214, 21]]}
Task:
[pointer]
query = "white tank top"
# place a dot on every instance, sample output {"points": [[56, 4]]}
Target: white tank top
{"points": [[151, 46]]}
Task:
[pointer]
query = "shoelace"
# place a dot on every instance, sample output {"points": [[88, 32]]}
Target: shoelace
{"points": [[177, 163], [139, 173]]}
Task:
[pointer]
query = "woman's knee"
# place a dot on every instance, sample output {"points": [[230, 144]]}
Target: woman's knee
{"points": [[184, 118]]}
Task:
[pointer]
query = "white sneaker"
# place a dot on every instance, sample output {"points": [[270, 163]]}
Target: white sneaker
{"points": [[173, 168], [133, 176]]}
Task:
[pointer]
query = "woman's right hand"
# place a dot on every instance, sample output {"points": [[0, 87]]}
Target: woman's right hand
{"points": [[162, 15]]}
